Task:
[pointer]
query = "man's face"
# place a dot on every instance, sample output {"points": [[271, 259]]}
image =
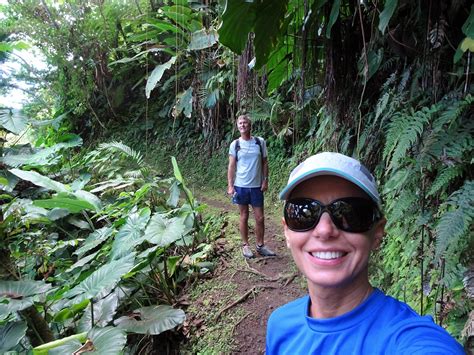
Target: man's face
{"points": [[327, 256], [243, 125]]}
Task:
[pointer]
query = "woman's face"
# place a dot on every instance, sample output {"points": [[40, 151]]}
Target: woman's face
{"points": [[327, 256]]}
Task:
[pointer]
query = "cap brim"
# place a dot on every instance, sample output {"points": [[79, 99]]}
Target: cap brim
{"points": [[285, 193]]}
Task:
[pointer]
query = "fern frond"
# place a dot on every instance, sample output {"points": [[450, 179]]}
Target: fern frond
{"points": [[444, 178], [381, 105], [455, 224], [401, 209], [412, 129], [403, 82], [119, 146]]}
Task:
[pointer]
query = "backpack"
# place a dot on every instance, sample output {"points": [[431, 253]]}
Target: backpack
{"points": [[237, 147]]}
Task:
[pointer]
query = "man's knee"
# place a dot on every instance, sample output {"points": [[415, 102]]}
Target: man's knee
{"points": [[244, 215], [259, 219]]}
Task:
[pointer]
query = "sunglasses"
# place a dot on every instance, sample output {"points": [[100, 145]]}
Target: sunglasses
{"points": [[349, 214]]}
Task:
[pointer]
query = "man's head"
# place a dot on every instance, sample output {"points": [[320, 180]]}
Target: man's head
{"points": [[332, 219], [244, 124]]}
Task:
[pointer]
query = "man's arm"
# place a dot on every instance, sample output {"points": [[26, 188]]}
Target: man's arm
{"points": [[231, 174], [264, 186]]}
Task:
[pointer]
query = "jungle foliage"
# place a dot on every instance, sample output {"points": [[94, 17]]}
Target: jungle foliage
{"points": [[389, 82]]}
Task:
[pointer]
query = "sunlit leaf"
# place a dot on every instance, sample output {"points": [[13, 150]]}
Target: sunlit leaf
{"points": [[40, 180], [12, 120], [152, 320], [156, 75], [71, 204]]}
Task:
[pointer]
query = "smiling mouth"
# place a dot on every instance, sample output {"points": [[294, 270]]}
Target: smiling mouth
{"points": [[328, 255]]}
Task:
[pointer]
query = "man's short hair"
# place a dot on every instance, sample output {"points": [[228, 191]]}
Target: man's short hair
{"points": [[245, 117]]}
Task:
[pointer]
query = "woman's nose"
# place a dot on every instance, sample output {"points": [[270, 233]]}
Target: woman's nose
{"points": [[325, 228]]}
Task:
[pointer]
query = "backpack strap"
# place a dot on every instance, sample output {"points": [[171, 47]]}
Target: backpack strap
{"points": [[237, 148], [259, 143]]}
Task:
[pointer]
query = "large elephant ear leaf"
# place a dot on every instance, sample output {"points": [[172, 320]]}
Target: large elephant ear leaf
{"points": [[11, 334], [100, 341], [104, 278], [20, 294], [237, 14], [151, 320], [107, 341], [163, 231], [12, 120]]}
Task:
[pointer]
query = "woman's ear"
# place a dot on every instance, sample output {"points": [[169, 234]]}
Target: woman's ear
{"points": [[379, 232], [285, 231]]}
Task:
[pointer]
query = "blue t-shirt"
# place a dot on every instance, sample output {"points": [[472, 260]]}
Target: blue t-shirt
{"points": [[380, 325], [249, 162]]}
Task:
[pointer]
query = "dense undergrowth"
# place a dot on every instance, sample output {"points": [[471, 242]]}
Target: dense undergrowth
{"points": [[87, 162]]}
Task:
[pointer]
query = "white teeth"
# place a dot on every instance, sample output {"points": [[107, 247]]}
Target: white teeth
{"points": [[327, 254]]}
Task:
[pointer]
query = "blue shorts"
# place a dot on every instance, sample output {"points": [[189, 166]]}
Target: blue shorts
{"points": [[248, 196]]}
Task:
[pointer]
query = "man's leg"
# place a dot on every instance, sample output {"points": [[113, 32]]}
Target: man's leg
{"points": [[244, 223], [259, 224]]}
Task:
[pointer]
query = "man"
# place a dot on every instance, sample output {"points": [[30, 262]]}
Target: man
{"points": [[247, 180], [332, 222]]}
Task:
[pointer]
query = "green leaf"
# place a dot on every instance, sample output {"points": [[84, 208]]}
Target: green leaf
{"points": [[387, 14], [3, 181], [11, 46], [11, 334], [104, 278], [40, 180], [71, 204], [268, 28], [104, 312], [176, 171], [153, 320], [12, 120], [163, 231], [237, 14], [131, 234], [468, 26], [20, 294], [62, 346], [203, 39], [68, 313], [467, 44], [174, 195], [156, 75], [333, 17], [94, 239], [107, 341]]}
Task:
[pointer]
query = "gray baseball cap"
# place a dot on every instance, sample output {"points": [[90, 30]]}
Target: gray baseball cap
{"points": [[329, 163]]}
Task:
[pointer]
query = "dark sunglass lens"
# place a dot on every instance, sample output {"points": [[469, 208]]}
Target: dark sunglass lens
{"points": [[301, 214], [353, 214]]}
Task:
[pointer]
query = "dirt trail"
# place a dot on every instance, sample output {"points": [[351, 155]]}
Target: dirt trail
{"points": [[262, 283]]}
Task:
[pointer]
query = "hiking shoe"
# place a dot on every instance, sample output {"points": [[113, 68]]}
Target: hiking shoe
{"points": [[264, 251], [247, 252]]}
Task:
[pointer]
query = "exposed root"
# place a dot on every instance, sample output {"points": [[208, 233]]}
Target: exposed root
{"points": [[242, 298], [290, 278]]}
